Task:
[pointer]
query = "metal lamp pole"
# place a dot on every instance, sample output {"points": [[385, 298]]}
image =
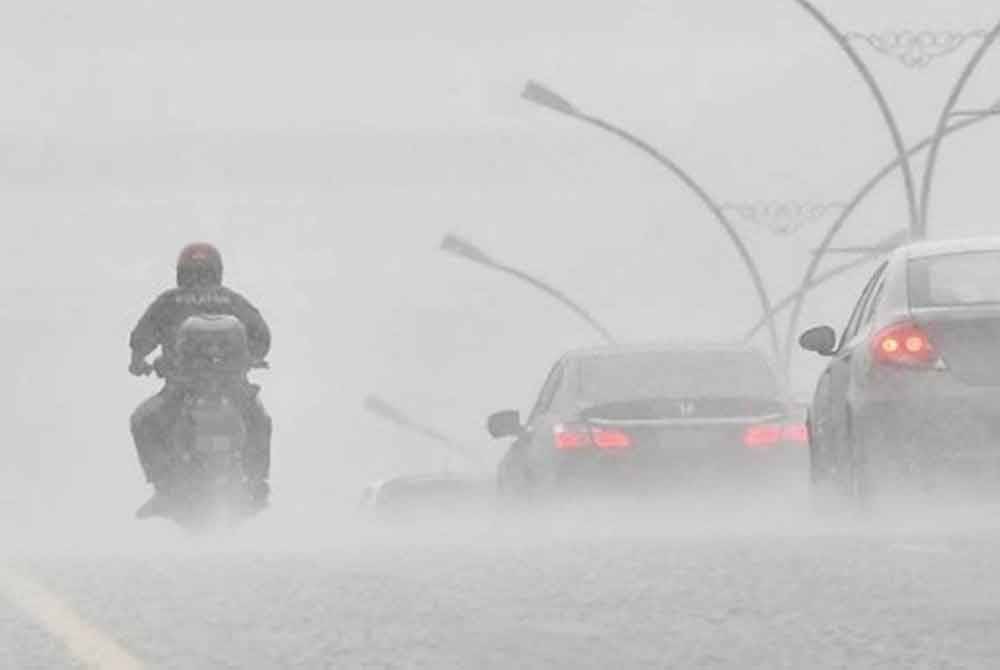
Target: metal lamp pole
{"points": [[870, 254], [890, 119], [809, 279], [913, 50], [942, 124], [457, 246], [546, 97], [387, 412]]}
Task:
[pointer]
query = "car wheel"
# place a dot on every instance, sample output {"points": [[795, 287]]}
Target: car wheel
{"points": [[830, 475], [869, 471]]}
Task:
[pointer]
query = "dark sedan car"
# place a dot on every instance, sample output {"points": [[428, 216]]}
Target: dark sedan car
{"points": [[650, 414], [911, 395]]}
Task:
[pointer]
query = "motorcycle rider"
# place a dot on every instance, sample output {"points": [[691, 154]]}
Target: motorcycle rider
{"points": [[199, 291]]}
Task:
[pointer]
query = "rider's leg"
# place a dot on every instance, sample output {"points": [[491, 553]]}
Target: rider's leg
{"points": [[151, 423], [149, 436], [257, 459]]}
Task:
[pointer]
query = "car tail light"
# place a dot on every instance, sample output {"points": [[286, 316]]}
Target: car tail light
{"points": [[765, 435], [579, 436], [762, 435], [903, 344], [797, 433], [610, 438], [571, 437]]}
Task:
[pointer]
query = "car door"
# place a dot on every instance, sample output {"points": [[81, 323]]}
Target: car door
{"points": [[861, 356], [524, 452], [852, 358], [831, 408], [839, 372]]}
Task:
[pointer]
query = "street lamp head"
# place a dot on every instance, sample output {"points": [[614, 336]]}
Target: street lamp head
{"points": [[454, 244], [388, 412], [546, 97], [384, 410]]}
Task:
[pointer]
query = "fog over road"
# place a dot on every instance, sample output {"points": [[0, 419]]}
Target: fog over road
{"points": [[684, 586]]}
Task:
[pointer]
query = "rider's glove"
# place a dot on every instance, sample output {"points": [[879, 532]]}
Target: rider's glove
{"points": [[139, 367]]}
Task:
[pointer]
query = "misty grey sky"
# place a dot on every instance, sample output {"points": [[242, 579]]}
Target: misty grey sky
{"points": [[327, 147], [392, 65]]}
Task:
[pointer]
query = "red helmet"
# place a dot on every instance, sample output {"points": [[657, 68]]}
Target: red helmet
{"points": [[199, 264]]}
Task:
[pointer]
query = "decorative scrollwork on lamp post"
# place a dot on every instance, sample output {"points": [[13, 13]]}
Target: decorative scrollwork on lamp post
{"points": [[783, 217], [916, 49]]}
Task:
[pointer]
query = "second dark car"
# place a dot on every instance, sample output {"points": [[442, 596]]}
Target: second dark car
{"points": [[650, 414]]}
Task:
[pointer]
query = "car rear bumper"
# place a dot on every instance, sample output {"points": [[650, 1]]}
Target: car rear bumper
{"points": [[686, 463], [944, 423]]}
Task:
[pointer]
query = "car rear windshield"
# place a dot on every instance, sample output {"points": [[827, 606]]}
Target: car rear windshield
{"points": [[955, 279], [685, 374]]}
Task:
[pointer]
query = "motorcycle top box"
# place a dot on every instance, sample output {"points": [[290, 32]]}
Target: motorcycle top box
{"points": [[212, 343]]}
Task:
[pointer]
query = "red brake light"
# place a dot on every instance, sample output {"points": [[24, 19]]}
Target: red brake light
{"points": [[903, 344], [762, 435], [797, 433], [580, 436], [765, 435], [610, 438], [570, 437]]}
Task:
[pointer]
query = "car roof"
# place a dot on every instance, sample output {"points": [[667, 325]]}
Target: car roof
{"points": [[660, 347], [928, 248]]}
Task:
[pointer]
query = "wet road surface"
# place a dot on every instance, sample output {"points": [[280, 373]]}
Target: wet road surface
{"points": [[761, 590]]}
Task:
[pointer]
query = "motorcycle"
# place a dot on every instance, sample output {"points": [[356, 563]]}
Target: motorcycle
{"points": [[208, 446]]}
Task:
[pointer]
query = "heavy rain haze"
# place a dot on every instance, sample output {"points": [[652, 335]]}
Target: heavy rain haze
{"points": [[327, 149]]}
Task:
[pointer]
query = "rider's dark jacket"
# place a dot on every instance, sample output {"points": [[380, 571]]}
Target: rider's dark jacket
{"points": [[158, 325]]}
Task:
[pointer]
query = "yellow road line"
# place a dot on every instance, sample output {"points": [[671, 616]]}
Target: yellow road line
{"points": [[85, 643]]}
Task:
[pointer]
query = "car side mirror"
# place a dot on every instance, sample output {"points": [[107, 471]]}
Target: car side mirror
{"points": [[821, 339], [505, 424]]}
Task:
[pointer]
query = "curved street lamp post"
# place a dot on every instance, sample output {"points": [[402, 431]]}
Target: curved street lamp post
{"points": [[384, 410], [843, 41], [546, 97], [870, 253], [457, 246], [810, 279], [915, 50], [942, 124], [912, 50]]}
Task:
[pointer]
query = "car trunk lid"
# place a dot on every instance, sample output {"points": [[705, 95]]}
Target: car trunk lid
{"points": [[967, 339], [681, 411]]}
